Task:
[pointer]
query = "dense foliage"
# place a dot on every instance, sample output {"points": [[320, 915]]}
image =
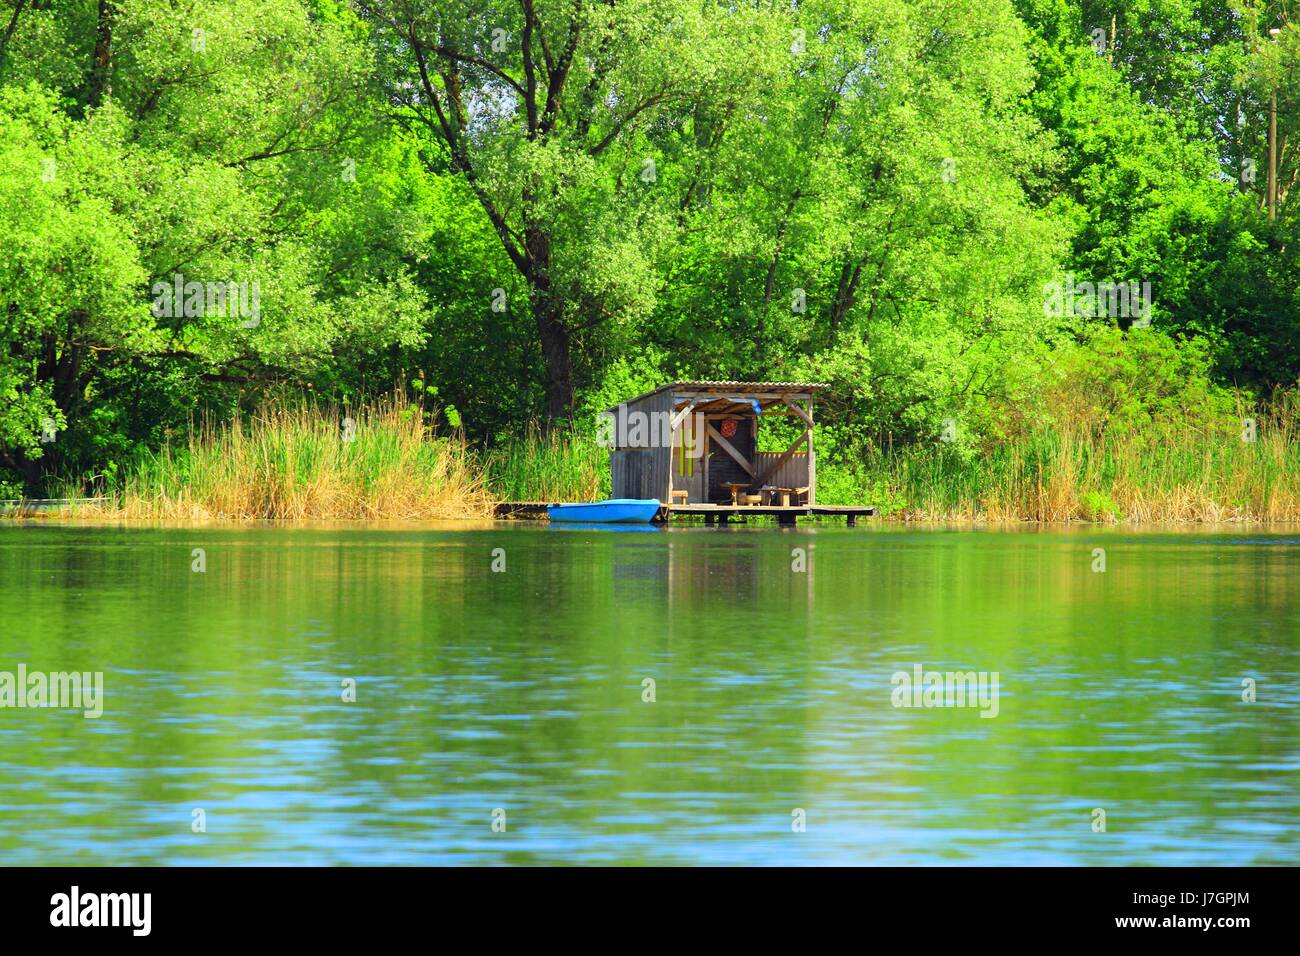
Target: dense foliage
{"points": [[525, 210]]}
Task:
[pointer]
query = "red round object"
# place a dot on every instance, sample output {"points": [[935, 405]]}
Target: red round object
{"points": [[729, 428]]}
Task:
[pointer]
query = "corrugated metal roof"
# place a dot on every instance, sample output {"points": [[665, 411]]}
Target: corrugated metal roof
{"points": [[740, 388], [748, 386]]}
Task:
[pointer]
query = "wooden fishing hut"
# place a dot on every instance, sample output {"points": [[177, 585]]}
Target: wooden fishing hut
{"points": [[693, 446]]}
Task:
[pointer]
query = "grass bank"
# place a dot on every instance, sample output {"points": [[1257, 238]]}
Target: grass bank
{"points": [[304, 461], [1078, 471], [1056, 477], [1221, 471], [298, 460]]}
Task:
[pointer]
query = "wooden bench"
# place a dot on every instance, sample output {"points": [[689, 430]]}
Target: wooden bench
{"points": [[680, 494]]}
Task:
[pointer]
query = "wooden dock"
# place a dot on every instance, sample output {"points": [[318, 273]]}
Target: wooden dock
{"points": [[520, 509], [784, 514], [711, 513]]}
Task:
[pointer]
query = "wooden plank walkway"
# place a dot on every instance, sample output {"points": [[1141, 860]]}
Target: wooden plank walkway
{"points": [[721, 514], [785, 514], [520, 509]]}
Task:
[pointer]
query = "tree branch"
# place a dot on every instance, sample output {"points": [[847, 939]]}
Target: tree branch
{"points": [[618, 126], [456, 56], [460, 160], [530, 95], [555, 88], [9, 30]]}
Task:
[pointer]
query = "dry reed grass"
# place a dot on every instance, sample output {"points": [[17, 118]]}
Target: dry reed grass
{"points": [[299, 460]]}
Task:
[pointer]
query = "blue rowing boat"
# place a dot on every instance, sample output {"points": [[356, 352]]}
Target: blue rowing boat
{"points": [[611, 511]]}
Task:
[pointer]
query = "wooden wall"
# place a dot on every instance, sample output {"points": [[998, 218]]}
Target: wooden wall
{"points": [[693, 483], [792, 474], [643, 472], [632, 474]]}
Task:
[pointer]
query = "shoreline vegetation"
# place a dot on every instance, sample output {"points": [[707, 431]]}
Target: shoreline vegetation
{"points": [[300, 460], [1066, 317], [297, 460]]}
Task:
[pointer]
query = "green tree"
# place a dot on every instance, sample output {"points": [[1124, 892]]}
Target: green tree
{"points": [[222, 143], [549, 112]]}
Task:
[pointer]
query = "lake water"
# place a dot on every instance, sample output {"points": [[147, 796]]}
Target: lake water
{"points": [[518, 696]]}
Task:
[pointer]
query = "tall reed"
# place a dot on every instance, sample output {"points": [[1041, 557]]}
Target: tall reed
{"points": [[562, 464], [297, 459], [1075, 473]]}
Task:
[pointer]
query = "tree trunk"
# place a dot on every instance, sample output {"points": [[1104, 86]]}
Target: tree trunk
{"points": [[552, 330], [844, 291], [61, 364], [100, 83], [557, 361], [760, 334]]}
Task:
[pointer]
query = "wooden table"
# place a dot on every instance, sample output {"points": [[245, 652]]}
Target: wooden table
{"points": [[734, 487]]}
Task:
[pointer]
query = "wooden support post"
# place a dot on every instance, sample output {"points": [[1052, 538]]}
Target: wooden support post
{"points": [[668, 493], [773, 468], [807, 418], [812, 458], [727, 447], [704, 472]]}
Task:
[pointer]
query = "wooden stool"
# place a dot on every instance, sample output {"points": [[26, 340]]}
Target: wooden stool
{"points": [[752, 499], [680, 494]]}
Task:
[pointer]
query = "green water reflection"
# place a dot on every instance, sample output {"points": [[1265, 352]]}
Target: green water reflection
{"points": [[522, 690]]}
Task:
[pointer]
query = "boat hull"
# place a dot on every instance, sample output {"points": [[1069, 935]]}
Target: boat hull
{"points": [[613, 511]]}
